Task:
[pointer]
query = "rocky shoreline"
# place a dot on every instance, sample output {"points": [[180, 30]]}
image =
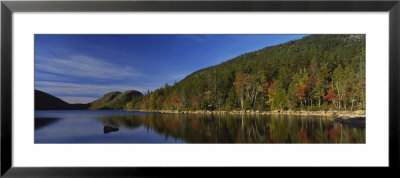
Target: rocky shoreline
{"points": [[342, 114]]}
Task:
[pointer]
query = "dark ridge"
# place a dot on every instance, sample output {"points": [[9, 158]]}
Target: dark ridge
{"points": [[45, 101]]}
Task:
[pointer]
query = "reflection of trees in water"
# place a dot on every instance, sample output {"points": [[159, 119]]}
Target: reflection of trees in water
{"points": [[315, 129], [198, 128]]}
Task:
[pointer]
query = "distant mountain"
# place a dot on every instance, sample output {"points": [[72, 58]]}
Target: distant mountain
{"points": [[114, 100], [111, 100], [45, 101]]}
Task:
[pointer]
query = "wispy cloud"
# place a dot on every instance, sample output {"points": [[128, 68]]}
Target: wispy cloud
{"points": [[75, 89], [51, 77], [84, 66]]}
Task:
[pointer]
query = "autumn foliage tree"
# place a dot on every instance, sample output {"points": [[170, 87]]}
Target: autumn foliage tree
{"points": [[331, 97], [240, 84]]}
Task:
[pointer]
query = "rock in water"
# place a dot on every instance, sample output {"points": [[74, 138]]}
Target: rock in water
{"points": [[108, 129], [340, 120], [358, 122]]}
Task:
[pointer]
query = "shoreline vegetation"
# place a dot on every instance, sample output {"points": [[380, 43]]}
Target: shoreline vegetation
{"points": [[341, 114], [58, 104]]}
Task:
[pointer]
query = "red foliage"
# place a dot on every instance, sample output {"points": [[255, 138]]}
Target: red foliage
{"points": [[173, 100], [194, 99], [330, 96], [300, 92], [176, 100]]}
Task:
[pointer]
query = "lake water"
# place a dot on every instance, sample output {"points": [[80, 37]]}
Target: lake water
{"points": [[87, 126]]}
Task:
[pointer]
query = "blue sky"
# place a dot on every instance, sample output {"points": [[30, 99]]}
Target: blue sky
{"points": [[82, 68]]}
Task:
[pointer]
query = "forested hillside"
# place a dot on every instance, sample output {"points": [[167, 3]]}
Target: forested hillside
{"points": [[114, 100], [317, 72]]}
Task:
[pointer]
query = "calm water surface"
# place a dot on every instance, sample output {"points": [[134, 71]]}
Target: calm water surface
{"points": [[86, 126]]}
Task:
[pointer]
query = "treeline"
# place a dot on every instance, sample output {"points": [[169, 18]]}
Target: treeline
{"points": [[317, 72]]}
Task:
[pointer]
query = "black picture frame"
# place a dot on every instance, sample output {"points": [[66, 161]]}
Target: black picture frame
{"points": [[8, 7]]}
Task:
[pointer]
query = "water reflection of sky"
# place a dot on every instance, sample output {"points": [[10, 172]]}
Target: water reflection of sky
{"points": [[84, 127], [138, 127]]}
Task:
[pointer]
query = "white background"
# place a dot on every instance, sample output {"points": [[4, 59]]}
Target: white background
{"points": [[373, 153]]}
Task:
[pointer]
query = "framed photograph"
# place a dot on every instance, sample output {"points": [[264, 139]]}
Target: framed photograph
{"points": [[104, 88]]}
